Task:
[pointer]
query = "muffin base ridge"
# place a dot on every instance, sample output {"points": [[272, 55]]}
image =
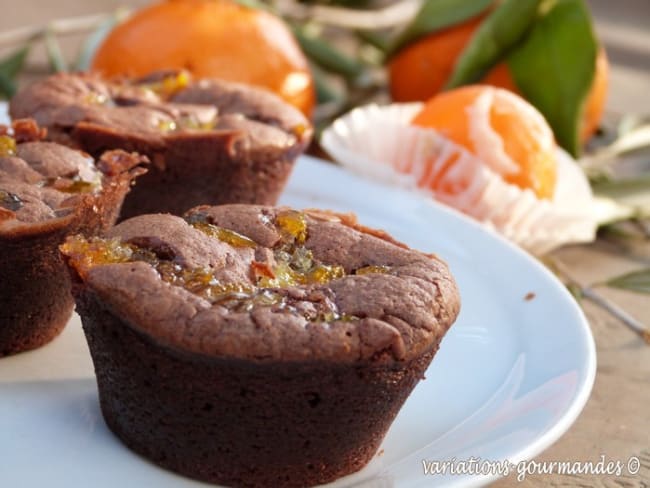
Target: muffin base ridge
{"points": [[48, 192], [306, 423], [28, 322]]}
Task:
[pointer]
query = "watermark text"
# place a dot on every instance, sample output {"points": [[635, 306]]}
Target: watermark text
{"points": [[475, 466]]}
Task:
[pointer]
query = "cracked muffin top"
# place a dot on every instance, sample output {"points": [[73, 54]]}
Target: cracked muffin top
{"points": [[41, 181], [156, 110], [268, 283]]}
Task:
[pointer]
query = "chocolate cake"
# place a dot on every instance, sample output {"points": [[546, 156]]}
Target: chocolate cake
{"points": [[210, 141], [48, 191], [254, 346]]}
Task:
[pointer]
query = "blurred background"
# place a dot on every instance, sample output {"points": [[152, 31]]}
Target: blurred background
{"points": [[623, 27]]}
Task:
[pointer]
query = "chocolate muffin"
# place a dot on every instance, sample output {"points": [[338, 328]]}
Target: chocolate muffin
{"points": [[48, 191], [210, 141], [254, 346]]}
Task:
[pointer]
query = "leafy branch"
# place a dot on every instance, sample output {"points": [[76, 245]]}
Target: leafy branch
{"points": [[638, 281], [25, 37], [10, 67]]}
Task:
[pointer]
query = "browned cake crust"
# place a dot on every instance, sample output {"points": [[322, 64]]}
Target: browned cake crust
{"points": [[210, 141], [39, 207], [289, 379]]}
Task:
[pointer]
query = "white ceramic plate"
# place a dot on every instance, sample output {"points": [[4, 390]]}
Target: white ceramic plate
{"points": [[510, 378]]}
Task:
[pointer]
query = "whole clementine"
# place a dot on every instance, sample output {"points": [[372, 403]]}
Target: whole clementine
{"points": [[210, 38], [421, 69]]}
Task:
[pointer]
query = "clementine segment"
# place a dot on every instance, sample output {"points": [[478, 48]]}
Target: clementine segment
{"points": [[504, 131], [421, 70], [210, 38]]}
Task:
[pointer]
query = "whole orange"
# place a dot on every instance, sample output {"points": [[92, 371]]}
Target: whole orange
{"points": [[421, 69], [210, 38]]}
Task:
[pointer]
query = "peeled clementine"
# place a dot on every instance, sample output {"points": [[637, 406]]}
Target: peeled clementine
{"points": [[421, 69], [210, 38], [503, 130]]}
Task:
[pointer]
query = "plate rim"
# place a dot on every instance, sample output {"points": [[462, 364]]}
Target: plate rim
{"points": [[583, 391], [569, 416]]}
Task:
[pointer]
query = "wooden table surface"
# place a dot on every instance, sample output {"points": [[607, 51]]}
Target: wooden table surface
{"points": [[616, 420]]}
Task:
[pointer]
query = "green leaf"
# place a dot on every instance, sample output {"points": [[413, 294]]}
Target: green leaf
{"points": [[608, 211], [554, 67], [256, 4], [435, 15], [328, 57], [347, 3], [92, 42], [379, 40], [632, 122], [622, 230], [12, 64], [325, 91], [9, 69], [632, 193], [637, 281], [621, 188], [54, 54], [575, 290], [496, 35], [633, 140]]}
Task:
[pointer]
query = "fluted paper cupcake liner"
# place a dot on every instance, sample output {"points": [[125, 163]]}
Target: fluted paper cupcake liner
{"points": [[378, 142]]}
